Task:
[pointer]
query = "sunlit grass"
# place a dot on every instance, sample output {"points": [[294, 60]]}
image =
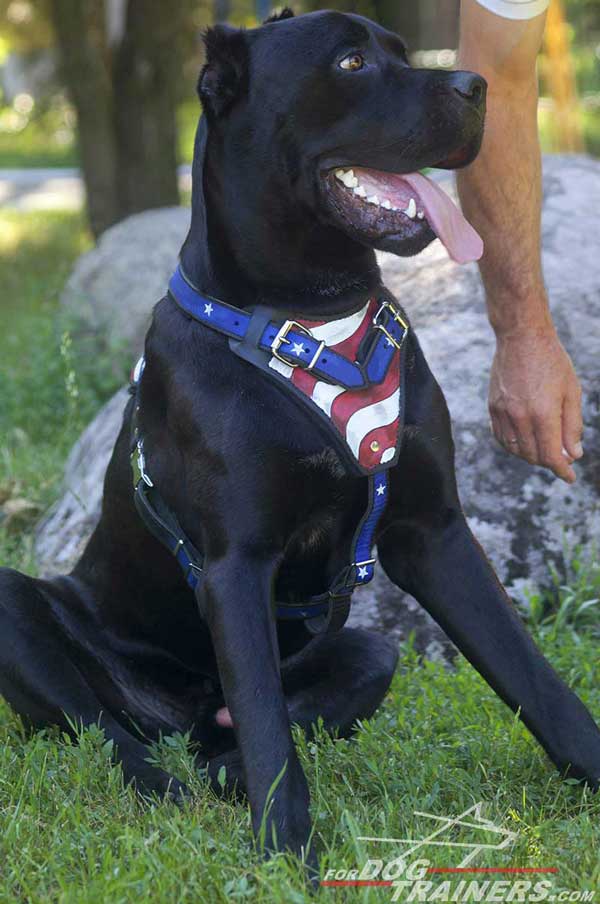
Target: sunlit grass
{"points": [[50, 386]]}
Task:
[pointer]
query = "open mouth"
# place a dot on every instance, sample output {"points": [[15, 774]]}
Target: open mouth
{"points": [[401, 213]]}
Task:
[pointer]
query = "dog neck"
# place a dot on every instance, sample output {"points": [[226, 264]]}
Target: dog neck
{"points": [[247, 246]]}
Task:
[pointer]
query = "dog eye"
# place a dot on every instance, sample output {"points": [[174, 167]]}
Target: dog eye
{"points": [[353, 62]]}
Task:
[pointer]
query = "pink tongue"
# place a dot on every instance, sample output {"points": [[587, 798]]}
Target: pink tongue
{"points": [[462, 242]]}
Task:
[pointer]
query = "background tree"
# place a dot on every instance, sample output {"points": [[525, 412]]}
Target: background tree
{"points": [[130, 67], [122, 62], [126, 64], [424, 24]]}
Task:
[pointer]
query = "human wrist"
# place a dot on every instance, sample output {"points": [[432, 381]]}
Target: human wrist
{"points": [[526, 330], [519, 317]]}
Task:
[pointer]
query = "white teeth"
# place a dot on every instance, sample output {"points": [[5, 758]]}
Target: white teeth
{"points": [[347, 178], [411, 210]]}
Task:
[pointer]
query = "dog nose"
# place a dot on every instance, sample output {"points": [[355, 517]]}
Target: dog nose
{"points": [[470, 86]]}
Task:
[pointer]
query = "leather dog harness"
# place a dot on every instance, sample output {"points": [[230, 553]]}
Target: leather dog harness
{"points": [[349, 372]]}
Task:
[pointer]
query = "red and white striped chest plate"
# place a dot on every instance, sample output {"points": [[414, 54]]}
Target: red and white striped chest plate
{"points": [[368, 419]]}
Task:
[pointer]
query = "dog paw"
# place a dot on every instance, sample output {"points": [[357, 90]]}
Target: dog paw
{"points": [[226, 775], [177, 793], [153, 781]]}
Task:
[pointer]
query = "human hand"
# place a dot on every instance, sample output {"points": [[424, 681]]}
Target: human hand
{"points": [[535, 401]]}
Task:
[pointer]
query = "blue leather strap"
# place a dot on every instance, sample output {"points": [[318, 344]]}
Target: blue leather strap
{"points": [[299, 348], [291, 342], [219, 315], [365, 535], [330, 611]]}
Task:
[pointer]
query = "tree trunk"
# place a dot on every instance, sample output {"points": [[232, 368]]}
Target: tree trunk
{"points": [[146, 65], [561, 79], [263, 10], [79, 28], [439, 24], [403, 18], [124, 86], [361, 7], [424, 25], [221, 10]]}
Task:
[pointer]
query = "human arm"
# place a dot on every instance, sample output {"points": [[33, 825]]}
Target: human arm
{"points": [[535, 395]]}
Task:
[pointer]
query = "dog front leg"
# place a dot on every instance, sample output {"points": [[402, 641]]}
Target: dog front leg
{"points": [[445, 569], [237, 605]]}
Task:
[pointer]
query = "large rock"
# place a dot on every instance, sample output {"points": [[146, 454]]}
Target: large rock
{"points": [[66, 528], [113, 286], [524, 518]]}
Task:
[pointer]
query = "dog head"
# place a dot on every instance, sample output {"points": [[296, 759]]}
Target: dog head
{"points": [[320, 117]]}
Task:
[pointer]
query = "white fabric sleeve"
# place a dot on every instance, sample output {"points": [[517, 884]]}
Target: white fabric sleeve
{"points": [[516, 9]]}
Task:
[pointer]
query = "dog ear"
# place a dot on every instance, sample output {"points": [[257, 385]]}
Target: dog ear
{"points": [[285, 13], [226, 66]]}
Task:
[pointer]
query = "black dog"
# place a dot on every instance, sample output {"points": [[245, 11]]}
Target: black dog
{"points": [[294, 110]]}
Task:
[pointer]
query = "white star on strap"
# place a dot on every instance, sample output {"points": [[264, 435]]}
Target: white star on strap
{"points": [[363, 572], [381, 489], [298, 349], [208, 308]]}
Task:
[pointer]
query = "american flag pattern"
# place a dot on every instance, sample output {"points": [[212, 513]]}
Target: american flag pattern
{"points": [[368, 419]]}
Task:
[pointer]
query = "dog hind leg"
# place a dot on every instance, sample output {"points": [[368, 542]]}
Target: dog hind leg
{"points": [[45, 687], [340, 678]]}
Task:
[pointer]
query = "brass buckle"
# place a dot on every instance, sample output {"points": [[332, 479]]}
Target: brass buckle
{"points": [[397, 317], [281, 338]]}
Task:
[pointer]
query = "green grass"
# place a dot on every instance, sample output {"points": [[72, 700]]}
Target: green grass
{"points": [[442, 742], [49, 386], [70, 831]]}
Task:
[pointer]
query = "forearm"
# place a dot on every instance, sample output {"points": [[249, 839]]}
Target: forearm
{"points": [[501, 191], [535, 397]]}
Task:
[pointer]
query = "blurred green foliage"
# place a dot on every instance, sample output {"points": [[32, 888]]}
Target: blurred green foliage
{"points": [[44, 137], [44, 134]]}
